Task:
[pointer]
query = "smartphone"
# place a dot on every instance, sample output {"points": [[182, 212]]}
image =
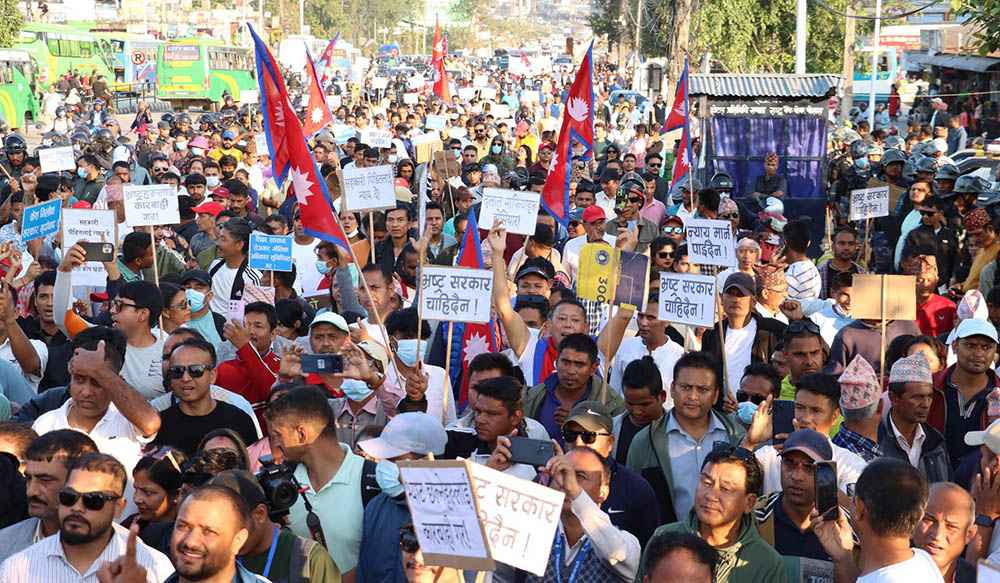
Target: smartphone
{"points": [[322, 363], [782, 413], [534, 452], [826, 489], [98, 251]]}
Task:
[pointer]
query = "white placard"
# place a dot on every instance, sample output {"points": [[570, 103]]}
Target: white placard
{"points": [[487, 93], [377, 138], [334, 101], [456, 294], [416, 82], [466, 93], [436, 122], [260, 141], [249, 96], [369, 188], [480, 81], [869, 203], [380, 83], [155, 204], [710, 242], [88, 225], [56, 159], [519, 517], [530, 97], [411, 98], [687, 298], [425, 138], [500, 110], [518, 209]]}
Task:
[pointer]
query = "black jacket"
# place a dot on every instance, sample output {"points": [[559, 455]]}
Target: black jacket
{"points": [[769, 333], [934, 464], [944, 241]]}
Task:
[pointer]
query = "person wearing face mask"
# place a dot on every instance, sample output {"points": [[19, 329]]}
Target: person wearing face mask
{"points": [[855, 176], [409, 436], [426, 385], [213, 175], [197, 286], [181, 155], [89, 181], [760, 380]]}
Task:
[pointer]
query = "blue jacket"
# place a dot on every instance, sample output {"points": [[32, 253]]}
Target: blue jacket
{"points": [[380, 560]]}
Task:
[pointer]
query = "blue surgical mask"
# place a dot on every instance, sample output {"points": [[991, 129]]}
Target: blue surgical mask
{"points": [[496, 148], [861, 163], [322, 267], [197, 152], [196, 298], [355, 390], [746, 411], [387, 476], [407, 350], [534, 332], [181, 146], [81, 172], [212, 182]]}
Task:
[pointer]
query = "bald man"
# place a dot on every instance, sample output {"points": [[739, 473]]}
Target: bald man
{"points": [[947, 526]]}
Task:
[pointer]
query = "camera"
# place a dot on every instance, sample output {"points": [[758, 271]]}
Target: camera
{"points": [[281, 490]]}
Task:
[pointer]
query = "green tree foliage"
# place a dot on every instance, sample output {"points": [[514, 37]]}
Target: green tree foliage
{"points": [[11, 20], [984, 14], [358, 20]]}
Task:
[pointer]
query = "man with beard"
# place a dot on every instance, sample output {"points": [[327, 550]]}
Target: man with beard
{"points": [[88, 505]]}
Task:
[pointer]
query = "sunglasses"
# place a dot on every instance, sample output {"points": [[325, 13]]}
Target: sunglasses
{"points": [[674, 230], [798, 326], [588, 437], [91, 500], [635, 199], [578, 166], [195, 370], [654, 165], [408, 540], [742, 397], [928, 213], [663, 255], [180, 306], [729, 216]]}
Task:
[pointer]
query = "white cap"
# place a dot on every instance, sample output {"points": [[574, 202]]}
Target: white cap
{"points": [[940, 145], [990, 437], [330, 318], [120, 154], [412, 432]]}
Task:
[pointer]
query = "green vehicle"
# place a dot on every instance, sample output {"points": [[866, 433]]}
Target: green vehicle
{"points": [[17, 98], [196, 72], [57, 49]]}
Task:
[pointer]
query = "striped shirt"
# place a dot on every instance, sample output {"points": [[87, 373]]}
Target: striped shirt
{"points": [[803, 281]]}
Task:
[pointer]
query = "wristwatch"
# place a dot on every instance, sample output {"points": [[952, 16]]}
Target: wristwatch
{"points": [[984, 521], [379, 379]]}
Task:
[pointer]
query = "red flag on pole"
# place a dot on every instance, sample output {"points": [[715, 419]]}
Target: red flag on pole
{"points": [[441, 81], [317, 111], [679, 110], [476, 338], [440, 47], [324, 60]]}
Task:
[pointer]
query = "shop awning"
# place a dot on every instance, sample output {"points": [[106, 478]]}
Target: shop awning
{"points": [[962, 62], [764, 85]]}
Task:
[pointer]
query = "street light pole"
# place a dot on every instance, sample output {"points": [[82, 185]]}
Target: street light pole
{"points": [[871, 86], [800, 37]]}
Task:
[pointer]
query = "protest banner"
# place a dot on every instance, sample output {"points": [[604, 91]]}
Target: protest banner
{"points": [[456, 294], [367, 189], [436, 122], [519, 517], [89, 225], [377, 138], [686, 298], [41, 220], [380, 83], [445, 514], [260, 141], [411, 98], [869, 203], [710, 242], [518, 210], [480, 81], [606, 270], [488, 93], [342, 133], [270, 252], [56, 159], [155, 204], [466, 93]]}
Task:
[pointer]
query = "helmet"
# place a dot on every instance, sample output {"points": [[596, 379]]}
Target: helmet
{"points": [[79, 138], [206, 118], [244, 109], [98, 101], [926, 164], [875, 149], [851, 137], [970, 183], [839, 134], [183, 118], [947, 172], [988, 198], [227, 118], [853, 112], [893, 155], [923, 148], [632, 182], [104, 137], [721, 181], [168, 117], [14, 144], [61, 111], [895, 143], [859, 149]]}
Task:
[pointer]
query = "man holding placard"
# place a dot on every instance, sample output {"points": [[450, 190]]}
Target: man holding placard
{"points": [[230, 272]]}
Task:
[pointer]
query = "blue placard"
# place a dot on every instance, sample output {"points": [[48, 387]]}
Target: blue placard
{"points": [[436, 122], [41, 220], [271, 252], [342, 133]]}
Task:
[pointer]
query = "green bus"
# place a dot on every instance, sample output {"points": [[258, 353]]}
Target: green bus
{"points": [[17, 99], [196, 72], [58, 49]]}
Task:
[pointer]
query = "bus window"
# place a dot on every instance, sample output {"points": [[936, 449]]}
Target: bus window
{"points": [[86, 48], [54, 46]]}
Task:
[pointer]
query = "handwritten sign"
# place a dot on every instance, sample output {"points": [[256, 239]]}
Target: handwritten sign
{"points": [[368, 189], [41, 220], [456, 294], [56, 159], [436, 122], [270, 252], [445, 514], [517, 209], [604, 269], [868, 203], [480, 81], [377, 138], [260, 142], [710, 242], [151, 205], [519, 517], [334, 101], [466, 93], [488, 93], [686, 298], [88, 225]]}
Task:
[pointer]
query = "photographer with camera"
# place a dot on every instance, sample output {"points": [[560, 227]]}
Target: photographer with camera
{"points": [[270, 551]]}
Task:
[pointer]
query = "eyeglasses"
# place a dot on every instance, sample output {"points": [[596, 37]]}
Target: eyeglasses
{"points": [[674, 230], [180, 306], [117, 304], [663, 255], [578, 166], [928, 213], [91, 500], [408, 540], [195, 370], [798, 326], [574, 224], [588, 437], [729, 216], [742, 397]]}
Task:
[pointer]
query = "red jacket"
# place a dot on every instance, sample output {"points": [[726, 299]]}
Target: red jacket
{"points": [[939, 411], [251, 376]]}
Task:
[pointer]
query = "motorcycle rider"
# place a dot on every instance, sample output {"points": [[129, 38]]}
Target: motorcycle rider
{"points": [[98, 116]]}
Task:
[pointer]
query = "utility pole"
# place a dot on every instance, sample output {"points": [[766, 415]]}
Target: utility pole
{"points": [[848, 70], [302, 15], [638, 44], [871, 86], [800, 37]]}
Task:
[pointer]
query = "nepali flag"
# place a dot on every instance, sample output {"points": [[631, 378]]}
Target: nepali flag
{"points": [[317, 111], [440, 47], [678, 116], [290, 153], [324, 60], [524, 59], [441, 81], [476, 338], [577, 126]]}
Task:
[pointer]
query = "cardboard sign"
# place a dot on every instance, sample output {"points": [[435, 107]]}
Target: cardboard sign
{"points": [[445, 163], [377, 138], [380, 83], [519, 517], [260, 142], [436, 122], [445, 514], [88, 225], [894, 191], [57, 159], [270, 252], [900, 297], [317, 302], [411, 98], [603, 267], [869, 203], [518, 210], [456, 294], [150, 205], [41, 220], [488, 93], [368, 189], [342, 133], [480, 81], [686, 298], [710, 242]]}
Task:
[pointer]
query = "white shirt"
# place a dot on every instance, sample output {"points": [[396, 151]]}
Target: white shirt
{"points": [[45, 562], [739, 349], [143, 368], [438, 391], [7, 353], [619, 550], [306, 277], [222, 284], [634, 348], [849, 466], [830, 320], [919, 567], [763, 311], [913, 450], [571, 253]]}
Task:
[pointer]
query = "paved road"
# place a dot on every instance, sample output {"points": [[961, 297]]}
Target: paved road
{"points": [[34, 135]]}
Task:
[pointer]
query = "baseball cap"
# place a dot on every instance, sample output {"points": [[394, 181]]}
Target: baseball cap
{"points": [[81, 204], [412, 432], [538, 266], [594, 213], [810, 442], [546, 146], [199, 275], [976, 327], [374, 352], [576, 215], [330, 318], [522, 126], [211, 207], [990, 437], [592, 416], [221, 192], [243, 483], [741, 281], [228, 134]]}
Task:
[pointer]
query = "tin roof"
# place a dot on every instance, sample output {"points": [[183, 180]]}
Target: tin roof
{"points": [[764, 85]]}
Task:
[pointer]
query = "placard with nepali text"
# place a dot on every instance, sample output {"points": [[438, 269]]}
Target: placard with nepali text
{"points": [[41, 220], [377, 138], [270, 252], [517, 209], [368, 189], [457, 294], [687, 298], [88, 225], [869, 203], [155, 204], [710, 242], [56, 159]]}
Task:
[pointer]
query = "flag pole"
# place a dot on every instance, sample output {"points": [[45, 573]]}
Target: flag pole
{"points": [[447, 373], [615, 265], [156, 273]]}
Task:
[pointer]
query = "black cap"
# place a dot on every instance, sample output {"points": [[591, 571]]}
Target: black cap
{"points": [[199, 275], [538, 266], [610, 174]]}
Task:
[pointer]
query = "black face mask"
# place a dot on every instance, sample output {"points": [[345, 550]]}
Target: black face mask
{"points": [[227, 175]]}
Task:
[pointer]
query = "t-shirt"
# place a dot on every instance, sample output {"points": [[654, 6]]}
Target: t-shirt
{"points": [[803, 281], [186, 431], [143, 369], [919, 567], [306, 277], [739, 348], [321, 567], [624, 439], [223, 279]]}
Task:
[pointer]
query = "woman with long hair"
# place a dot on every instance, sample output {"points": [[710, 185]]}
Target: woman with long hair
{"points": [[157, 479]]}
